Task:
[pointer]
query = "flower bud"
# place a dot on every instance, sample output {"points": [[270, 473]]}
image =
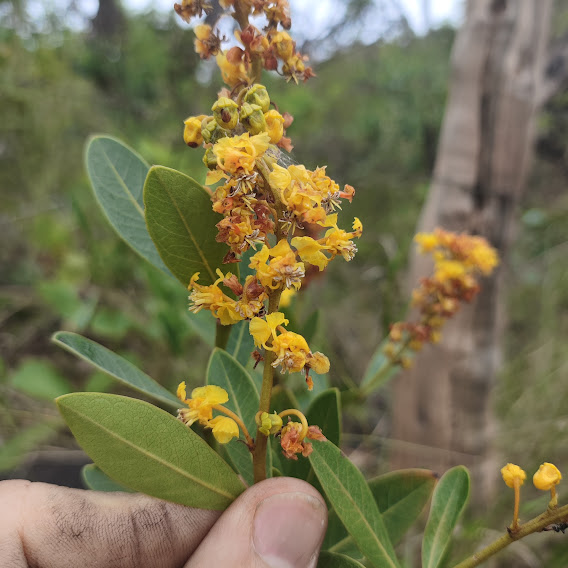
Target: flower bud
{"points": [[209, 159], [226, 113], [258, 95], [511, 472], [211, 131], [253, 118], [192, 132], [269, 423], [274, 125], [547, 477]]}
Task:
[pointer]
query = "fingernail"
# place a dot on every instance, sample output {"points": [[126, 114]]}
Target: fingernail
{"points": [[289, 529]]}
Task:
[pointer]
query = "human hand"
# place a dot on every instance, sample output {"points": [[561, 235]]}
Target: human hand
{"points": [[278, 523]]}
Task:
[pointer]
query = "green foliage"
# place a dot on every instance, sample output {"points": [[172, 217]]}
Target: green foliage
{"points": [[351, 498], [117, 176], [226, 372], [448, 503], [334, 560], [182, 225], [115, 366], [148, 450]]}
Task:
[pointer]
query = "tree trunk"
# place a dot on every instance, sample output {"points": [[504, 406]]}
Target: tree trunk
{"points": [[442, 405]]}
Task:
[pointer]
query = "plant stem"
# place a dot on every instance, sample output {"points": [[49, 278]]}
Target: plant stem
{"points": [[259, 454], [537, 524], [222, 333]]}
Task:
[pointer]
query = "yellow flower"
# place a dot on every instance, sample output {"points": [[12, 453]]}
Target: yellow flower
{"points": [[280, 177], [319, 363], [511, 472], [547, 477], [261, 329], [237, 154], [224, 429], [426, 242], [310, 251], [232, 73], [449, 270], [201, 403], [291, 352]]}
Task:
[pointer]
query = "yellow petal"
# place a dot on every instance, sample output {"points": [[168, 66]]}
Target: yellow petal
{"points": [[547, 476], [211, 394], [224, 429], [260, 331]]}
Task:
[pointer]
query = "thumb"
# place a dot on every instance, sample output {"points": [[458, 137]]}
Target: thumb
{"points": [[278, 523]]}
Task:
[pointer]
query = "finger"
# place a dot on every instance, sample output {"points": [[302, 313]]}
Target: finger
{"points": [[45, 526], [278, 523]]}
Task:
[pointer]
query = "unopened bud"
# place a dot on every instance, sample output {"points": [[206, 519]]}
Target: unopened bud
{"points": [[226, 113], [211, 131], [258, 95], [253, 118]]}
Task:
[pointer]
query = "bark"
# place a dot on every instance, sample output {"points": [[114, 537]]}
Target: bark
{"points": [[442, 405]]}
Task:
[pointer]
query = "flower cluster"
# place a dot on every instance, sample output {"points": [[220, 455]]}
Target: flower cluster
{"points": [[291, 349], [459, 259], [201, 404], [272, 49]]}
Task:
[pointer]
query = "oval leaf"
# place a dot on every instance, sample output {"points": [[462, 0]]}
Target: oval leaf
{"points": [[333, 560], [226, 372], [182, 225], [350, 496], [115, 366], [97, 480], [448, 503], [117, 175], [148, 450], [400, 495]]}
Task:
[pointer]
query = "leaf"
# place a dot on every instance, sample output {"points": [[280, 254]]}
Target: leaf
{"points": [[97, 480], [400, 496], [115, 366], [117, 175], [333, 560], [148, 450], [226, 372], [182, 225], [325, 412], [448, 503], [350, 496], [203, 324], [14, 450], [241, 343], [39, 379]]}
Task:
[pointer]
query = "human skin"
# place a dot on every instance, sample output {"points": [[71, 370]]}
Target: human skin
{"points": [[278, 523]]}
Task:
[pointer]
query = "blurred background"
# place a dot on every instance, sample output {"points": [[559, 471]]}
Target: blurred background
{"points": [[374, 115]]}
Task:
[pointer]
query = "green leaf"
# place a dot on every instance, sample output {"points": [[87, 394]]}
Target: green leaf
{"points": [[401, 496], [226, 372], [350, 496], [182, 225], [97, 480], [148, 450], [39, 379], [325, 412], [203, 323], [14, 450], [117, 175], [115, 366], [448, 503], [333, 560], [241, 343]]}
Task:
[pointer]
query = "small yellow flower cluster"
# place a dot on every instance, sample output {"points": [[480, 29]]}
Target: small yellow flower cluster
{"points": [[459, 259], [274, 50], [201, 404], [291, 349]]}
